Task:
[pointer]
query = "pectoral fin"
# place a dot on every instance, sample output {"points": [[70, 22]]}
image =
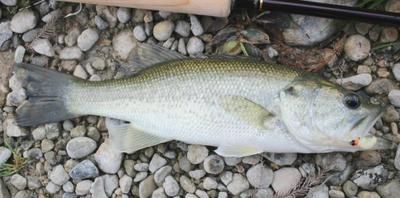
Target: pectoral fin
{"points": [[237, 151], [247, 111], [125, 137]]}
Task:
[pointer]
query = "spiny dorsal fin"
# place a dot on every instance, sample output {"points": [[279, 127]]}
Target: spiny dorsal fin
{"points": [[125, 137], [150, 54]]}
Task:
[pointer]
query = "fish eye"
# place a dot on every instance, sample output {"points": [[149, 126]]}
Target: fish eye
{"points": [[352, 101]]}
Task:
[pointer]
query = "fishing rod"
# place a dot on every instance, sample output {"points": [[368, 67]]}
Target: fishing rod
{"points": [[222, 8]]}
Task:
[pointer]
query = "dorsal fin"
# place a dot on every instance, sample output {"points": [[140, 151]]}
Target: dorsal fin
{"points": [[150, 54]]}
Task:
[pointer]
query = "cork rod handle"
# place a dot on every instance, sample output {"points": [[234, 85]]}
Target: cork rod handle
{"points": [[217, 8]]}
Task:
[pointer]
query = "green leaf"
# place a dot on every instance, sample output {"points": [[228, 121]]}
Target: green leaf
{"points": [[230, 48]]}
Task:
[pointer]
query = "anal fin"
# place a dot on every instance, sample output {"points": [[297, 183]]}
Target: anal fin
{"points": [[237, 151], [126, 138]]}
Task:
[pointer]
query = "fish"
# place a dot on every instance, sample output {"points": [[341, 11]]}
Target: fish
{"points": [[241, 106]]}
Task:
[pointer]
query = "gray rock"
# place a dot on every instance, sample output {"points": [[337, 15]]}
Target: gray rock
{"points": [[78, 131], [87, 39], [43, 46], [47, 145], [71, 53], [156, 162], [125, 183], [357, 47], [58, 175], [18, 181], [34, 153], [187, 184], [19, 54], [201, 194], [370, 178], [390, 189], [195, 26], [68, 187], [168, 43], [350, 188], [260, 176], [226, 177], [146, 187], [397, 159], [184, 163], [367, 194], [52, 131], [97, 188], [141, 167], [285, 179], [80, 147], [33, 182], [355, 82], [232, 161], [52, 188], [197, 153], [182, 46], [171, 186], [394, 97], [5, 32], [195, 46], [321, 191], [123, 15], [108, 159], [197, 174], [72, 36], [110, 183], [161, 174], [69, 195], [336, 194], [210, 183], [182, 28], [123, 43], [390, 115], [389, 35], [3, 190], [23, 21], [16, 97], [396, 71], [83, 187], [331, 161], [393, 6], [163, 30], [30, 35], [140, 176], [12, 129], [139, 33], [84, 170], [100, 23], [238, 184], [380, 86], [80, 72], [9, 2], [308, 30], [213, 164], [281, 159], [23, 194], [158, 193]]}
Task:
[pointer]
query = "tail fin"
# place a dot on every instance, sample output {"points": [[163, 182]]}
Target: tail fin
{"points": [[45, 90]]}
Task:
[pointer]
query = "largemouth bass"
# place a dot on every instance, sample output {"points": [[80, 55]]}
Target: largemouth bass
{"points": [[241, 106]]}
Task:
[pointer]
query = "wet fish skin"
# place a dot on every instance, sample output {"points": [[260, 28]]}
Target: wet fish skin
{"points": [[241, 106]]}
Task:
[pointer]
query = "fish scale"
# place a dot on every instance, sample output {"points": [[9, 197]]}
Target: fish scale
{"points": [[239, 105]]}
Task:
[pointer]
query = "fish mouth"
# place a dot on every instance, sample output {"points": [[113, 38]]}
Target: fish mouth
{"points": [[364, 125]]}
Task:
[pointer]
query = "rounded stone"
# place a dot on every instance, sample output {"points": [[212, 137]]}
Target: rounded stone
{"points": [[285, 179], [197, 153], [163, 30], [87, 39], [357, 47], [260, 176], [80, 147], [84, 170], [23, 21], [213, 164]]}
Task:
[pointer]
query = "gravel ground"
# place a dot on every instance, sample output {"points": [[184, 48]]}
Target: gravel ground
{"points": [[74, 159]]}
